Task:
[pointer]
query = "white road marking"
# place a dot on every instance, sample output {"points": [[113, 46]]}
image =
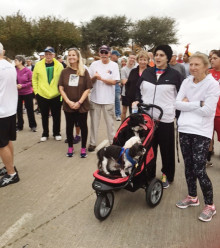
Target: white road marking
{"points": [[14, 228], [102, 144]]}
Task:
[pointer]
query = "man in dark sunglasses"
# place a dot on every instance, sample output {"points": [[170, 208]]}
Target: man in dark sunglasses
{"points": [[104, 74], [103, 52]]}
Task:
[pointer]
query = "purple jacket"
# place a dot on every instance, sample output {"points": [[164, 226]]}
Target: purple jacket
{"points": [[24, 77]]}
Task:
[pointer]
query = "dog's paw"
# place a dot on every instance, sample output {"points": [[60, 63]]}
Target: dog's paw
{"points": [[123, 174]]}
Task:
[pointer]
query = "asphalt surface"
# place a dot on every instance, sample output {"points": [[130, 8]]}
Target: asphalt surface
{"points": [[53, 204]]}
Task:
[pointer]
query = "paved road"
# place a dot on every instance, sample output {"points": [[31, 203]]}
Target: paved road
{"points": [[52, 205]]}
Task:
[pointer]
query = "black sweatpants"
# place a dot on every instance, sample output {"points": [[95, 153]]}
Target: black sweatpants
{"points": [[45, 106], [164, 138], [28, 102], [73, 118], [195, 149]]}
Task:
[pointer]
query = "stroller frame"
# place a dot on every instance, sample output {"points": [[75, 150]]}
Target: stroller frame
{"points": [[104, 186]]}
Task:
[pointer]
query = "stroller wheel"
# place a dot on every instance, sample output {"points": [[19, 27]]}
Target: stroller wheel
{"points": [[154, 192], [103, 205]]}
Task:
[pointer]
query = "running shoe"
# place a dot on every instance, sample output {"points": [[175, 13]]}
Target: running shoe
{"points": [[70, 152], [3, 171], [7, 179], [165, 181], [188, 202], [43, 139], [83, 153], [208, 212]]}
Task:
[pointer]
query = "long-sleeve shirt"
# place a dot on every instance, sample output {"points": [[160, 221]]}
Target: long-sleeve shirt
{"points": [[161, 92], [195, 119], [24, 77]]}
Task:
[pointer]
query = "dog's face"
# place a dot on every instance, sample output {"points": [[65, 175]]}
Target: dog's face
{"points": [[136, 122], [137, 150]]}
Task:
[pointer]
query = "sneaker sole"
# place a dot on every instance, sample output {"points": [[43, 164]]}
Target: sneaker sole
{"points": [[200, 218], [69, 155], [165, 187], [191, 205]]}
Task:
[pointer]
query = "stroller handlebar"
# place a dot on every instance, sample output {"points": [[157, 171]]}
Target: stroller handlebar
{"points": [[147, 107]]}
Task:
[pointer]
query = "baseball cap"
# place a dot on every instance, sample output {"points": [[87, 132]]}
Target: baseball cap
{"points": [[49, 49], [115, 52], [41, 54], [104, 48]]}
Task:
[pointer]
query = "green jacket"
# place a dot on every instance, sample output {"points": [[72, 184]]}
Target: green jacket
{"points": [[40, 80]]}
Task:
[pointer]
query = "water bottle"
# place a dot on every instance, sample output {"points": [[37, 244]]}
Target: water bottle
{"points": [[134, 109]]}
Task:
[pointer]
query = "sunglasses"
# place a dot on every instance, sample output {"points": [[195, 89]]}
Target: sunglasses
{"points": [[103, 52]]}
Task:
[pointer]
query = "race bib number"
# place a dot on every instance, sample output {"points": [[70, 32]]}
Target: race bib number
{"points": [[73, 80]]}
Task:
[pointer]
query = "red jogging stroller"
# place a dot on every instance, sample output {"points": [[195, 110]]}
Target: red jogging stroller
{"points": [[105, 185]]}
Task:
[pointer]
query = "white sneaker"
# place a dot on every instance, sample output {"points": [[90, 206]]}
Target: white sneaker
{"points": [[118, 118], [42, 139], [58, 138]]}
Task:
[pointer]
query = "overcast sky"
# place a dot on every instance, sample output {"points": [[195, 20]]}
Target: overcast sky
{"points": [[198, 22]]}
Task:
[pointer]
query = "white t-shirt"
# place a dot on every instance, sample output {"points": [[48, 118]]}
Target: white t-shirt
{"points": [[8, 89], [102, 93]]}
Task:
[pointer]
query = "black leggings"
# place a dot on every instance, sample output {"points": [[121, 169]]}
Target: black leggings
{"points": [[72, 118], [28, 101], [195, 149]]}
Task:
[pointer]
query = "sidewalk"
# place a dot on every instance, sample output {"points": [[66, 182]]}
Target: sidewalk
{"points": [[52, 206]]}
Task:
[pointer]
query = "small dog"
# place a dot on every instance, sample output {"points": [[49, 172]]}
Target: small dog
{"points": [[129, 143], [116, 158], [136, 126]]}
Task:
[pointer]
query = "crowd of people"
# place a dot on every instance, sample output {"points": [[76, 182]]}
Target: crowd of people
{"points": [[185, 86]]}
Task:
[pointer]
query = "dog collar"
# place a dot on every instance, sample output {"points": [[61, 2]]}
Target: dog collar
{"points": [[130, 159]]}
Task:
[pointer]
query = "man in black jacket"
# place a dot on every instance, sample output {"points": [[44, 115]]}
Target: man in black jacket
{"points": [[159, 85]]}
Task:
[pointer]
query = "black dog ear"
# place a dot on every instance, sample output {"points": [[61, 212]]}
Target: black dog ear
{"points": [[135, 149], [134, 120]]}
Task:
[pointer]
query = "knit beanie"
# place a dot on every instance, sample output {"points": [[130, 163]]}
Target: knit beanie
{"points": [[166, 49]]}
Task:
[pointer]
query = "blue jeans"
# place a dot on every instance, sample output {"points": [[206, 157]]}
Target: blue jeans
{"points": [[117, 100]]}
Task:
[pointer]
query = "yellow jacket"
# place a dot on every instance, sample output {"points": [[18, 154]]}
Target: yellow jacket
{"points": [[40, 80]]}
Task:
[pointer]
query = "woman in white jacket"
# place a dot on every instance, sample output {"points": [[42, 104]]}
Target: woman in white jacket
{"points": [[197, 100]]}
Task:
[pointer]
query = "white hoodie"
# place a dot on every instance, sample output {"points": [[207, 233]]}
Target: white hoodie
{"points": [[195, 119]]}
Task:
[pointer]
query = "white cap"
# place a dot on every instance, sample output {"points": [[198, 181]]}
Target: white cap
{"points": [[41, 54]]}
